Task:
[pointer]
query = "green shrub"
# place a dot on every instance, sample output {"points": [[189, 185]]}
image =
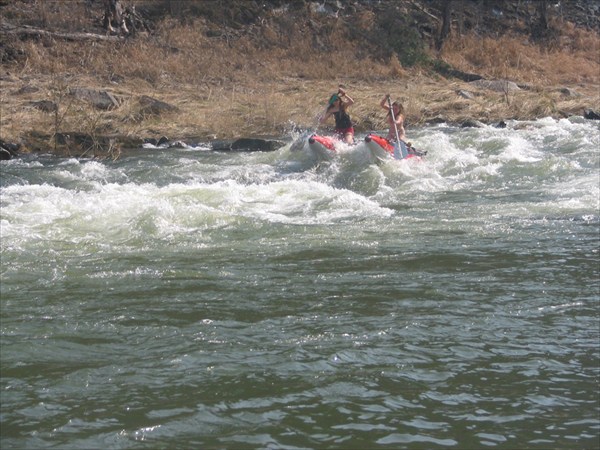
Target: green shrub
{"points": [[401, 38]]}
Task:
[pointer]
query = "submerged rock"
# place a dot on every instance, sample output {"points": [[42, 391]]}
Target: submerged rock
{"points": [[471, 123], [178, 144], [251, 144], [591, 114], [437, 120], [246, 145], [221, 145], [4, 154], [156, 142], [8, 150]]}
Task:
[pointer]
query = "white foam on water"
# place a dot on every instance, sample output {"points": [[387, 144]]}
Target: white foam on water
{"points": [[120, 212], [175, 193]]}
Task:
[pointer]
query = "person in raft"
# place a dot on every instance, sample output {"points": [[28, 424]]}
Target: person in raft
{"points": [[398, 109], [338, 108], [398, 118]]}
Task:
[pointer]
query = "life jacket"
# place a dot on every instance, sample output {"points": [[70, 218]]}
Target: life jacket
{"points": [[342, 120]]}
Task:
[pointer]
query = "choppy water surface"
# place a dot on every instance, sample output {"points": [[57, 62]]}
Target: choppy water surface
{"points": [[192, 299]]}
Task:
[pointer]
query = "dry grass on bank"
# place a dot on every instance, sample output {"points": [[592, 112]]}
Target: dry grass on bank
{"points": [[574, 59], [281, 74]]}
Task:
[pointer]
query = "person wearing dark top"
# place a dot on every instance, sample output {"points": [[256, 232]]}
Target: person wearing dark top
{"points": [[338, 108]]}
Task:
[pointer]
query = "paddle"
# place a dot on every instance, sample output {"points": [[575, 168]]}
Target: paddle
{"points": [[400, 151]]}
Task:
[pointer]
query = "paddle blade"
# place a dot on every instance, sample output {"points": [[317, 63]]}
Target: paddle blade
{"points": [[400, 150]]}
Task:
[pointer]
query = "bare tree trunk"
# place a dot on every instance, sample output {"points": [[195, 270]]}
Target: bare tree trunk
{"points": [[447, 21], [175, 8], [542, 8], [113, 17], [461, 17], [539, 27]]}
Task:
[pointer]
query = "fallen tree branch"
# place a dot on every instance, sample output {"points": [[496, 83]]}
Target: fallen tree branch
{"points": [[424, 11], [36, 32]]}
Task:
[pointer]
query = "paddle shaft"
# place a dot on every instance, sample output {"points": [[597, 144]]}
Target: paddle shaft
{"points": [[393, 119], [398, 143]]}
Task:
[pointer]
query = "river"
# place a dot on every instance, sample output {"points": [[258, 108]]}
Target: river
{"points": [[186, 298]]}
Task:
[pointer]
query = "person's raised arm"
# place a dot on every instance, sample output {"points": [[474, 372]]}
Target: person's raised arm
{"points": [[347, 99], [385, 102]]}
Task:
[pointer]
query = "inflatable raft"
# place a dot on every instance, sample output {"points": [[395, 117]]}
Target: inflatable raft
{"points": [[383, 149], [323, 147]]}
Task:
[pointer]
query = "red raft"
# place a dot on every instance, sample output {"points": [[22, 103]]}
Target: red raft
{"points": [[383, 149], [323, 147]]}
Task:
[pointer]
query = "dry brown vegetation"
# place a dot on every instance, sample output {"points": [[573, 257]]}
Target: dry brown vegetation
{"points": [[573, 62], [261, 80]]}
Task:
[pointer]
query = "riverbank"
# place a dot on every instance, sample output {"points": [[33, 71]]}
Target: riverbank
{"points": [[238, 111], [192, 81]]}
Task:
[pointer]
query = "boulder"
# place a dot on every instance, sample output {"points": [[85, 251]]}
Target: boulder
{"points": [[465, 94], [151, 141], [45, 105], [447, 71], [153, 107], [99, 99], [568, 92], [27, 90], [496, 85]]}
